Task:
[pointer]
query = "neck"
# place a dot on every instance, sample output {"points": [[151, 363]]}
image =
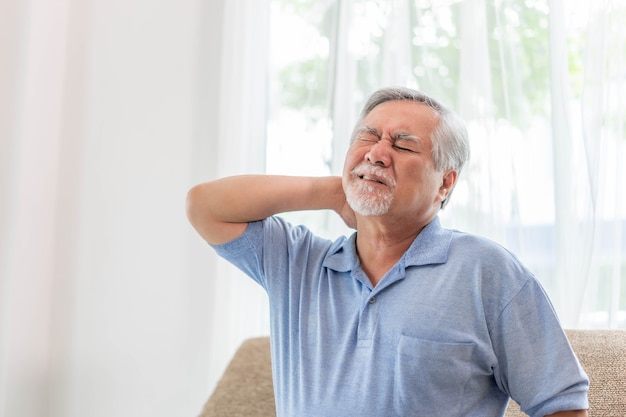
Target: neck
{"points": [[380, 244]]}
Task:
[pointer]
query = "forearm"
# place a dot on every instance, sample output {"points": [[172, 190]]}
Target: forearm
{"points": [[220, 210], [246, 198]]}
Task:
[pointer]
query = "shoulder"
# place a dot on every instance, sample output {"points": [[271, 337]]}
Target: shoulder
{"points": [[484, 252], [497, 273]]}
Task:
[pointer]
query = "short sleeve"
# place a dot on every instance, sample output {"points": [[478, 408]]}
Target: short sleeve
{"points": [[536, 365], [246, 251]]}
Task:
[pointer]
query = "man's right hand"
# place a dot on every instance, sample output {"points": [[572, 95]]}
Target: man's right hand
{"points": [[347, 215]]}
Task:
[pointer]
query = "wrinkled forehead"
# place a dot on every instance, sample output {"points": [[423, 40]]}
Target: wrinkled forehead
{"points": [[403, 116]]}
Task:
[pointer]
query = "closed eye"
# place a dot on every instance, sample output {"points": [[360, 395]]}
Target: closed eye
{"points": [[401, 148], [367, 139], [407, 143], [368, 135]]}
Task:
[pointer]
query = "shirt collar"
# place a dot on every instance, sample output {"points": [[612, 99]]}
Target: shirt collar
{"points": [[431, 246]]}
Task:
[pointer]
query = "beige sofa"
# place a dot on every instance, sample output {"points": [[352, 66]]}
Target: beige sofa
{"points": [[245, 389]]}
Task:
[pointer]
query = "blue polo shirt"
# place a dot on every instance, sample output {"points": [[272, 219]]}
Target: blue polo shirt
{"points": [[453, 329]]}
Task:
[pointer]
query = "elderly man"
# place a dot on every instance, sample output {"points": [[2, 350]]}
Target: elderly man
{"points": [[403, 318]]}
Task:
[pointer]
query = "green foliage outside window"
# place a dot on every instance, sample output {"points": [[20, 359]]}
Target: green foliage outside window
{"points": [[518, 44]]}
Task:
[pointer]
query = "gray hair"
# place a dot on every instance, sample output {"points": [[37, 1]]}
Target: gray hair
{"points": [[449, 139]]}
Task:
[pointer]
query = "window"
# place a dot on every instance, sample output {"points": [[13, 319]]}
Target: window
{"points": [[538, 84]]}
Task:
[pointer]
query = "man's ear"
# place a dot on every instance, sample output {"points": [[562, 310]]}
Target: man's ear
{"points": [[448, 182]]}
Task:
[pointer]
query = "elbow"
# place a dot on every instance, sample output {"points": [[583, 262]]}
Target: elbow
{"points": [[206, 214], [193, 204]]}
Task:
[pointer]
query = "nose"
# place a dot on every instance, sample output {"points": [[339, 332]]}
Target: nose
{"points": [[379, 153]]}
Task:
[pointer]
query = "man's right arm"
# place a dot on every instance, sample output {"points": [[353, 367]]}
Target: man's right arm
{"points": [[220, 210]]}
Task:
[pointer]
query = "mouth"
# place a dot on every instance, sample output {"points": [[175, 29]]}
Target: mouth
{"points": [[371, 179], [373, 176]]}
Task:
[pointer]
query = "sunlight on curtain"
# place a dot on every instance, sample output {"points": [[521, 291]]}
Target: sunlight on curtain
{"points": [[541, 86], [602, 141]]}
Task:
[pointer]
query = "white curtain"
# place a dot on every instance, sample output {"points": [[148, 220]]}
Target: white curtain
{"points": [[602, 143], [239, 306]]}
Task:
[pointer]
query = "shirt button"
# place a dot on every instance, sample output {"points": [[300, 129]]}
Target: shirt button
{"points": [[372, 300]]}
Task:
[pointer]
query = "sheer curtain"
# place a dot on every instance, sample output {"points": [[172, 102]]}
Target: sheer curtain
{"points": [[602, 140], [559, 174], [239, 306]]}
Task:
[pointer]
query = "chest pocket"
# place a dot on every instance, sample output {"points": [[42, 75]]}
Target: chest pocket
{"points": [[430, 377]]}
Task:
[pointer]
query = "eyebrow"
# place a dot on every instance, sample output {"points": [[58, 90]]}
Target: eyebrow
{"points": [[407, 136], [367, 129], [401, 135]]}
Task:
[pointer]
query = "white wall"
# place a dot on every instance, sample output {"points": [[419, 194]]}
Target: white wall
{"points": [[107, 112]]}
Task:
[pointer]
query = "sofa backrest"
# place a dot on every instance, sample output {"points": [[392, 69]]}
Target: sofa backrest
{"points": [[245, 389]]}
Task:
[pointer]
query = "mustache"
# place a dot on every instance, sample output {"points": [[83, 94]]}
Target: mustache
{"points": [[374, 172]]}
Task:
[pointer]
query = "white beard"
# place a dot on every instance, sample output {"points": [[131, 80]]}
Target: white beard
{"points": [[368, 199]]}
